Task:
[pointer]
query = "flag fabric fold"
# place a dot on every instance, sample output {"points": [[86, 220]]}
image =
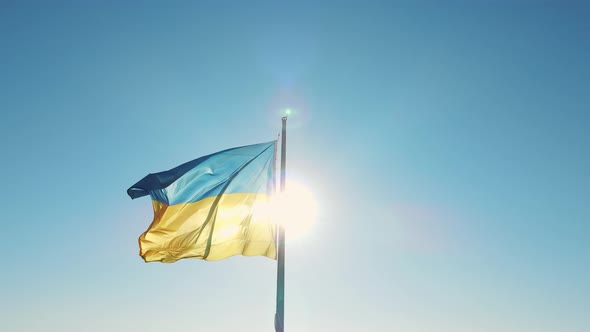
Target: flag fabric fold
{"points": [[212, 207]]}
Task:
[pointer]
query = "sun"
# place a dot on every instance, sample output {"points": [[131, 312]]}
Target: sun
{"points": [[295, 209]]}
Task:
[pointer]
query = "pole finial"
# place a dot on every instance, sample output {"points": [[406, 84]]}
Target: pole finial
{"points": [[287, 113]]}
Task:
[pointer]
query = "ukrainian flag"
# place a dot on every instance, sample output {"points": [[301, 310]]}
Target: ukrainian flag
{"points": [[207, 208]]}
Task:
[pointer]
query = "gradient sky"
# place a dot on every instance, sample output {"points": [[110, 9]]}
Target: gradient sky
{"points": [[447, 145]]}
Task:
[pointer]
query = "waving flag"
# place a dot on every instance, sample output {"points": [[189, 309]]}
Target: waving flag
{"points": [[207, 208]]}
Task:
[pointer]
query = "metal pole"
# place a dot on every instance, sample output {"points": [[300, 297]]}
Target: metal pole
{"points": [[280, 313]]}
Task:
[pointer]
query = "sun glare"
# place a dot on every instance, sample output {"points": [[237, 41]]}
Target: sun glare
{"points": [[295, 209]]}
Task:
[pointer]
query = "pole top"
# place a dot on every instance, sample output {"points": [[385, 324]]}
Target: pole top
{"points": [[284, 118], [287, 112]]}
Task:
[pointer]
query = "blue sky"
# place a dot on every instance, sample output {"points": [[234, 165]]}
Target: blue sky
{"points": [[447, 146]]}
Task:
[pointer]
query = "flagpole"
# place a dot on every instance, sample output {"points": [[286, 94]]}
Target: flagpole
{"points": [[280, 313]]}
